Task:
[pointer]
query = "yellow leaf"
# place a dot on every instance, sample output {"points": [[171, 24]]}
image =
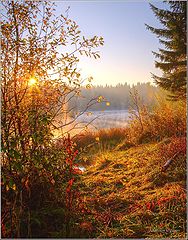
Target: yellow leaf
{"points": [[97, 139], [14, 187], [88, 86], [100, 98], [89, 113], [90, 79], [108, 104]]}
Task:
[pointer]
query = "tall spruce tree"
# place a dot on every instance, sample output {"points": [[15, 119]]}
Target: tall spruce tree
{"points": [[172, 58]]}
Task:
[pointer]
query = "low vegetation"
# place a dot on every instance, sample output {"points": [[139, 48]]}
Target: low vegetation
{"points": [[134, 181], [137, 188], [129, 196], [167, 119], [133, 185]]}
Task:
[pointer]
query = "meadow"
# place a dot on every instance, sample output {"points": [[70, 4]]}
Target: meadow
{"points": [[69, 170], [129, 192]]}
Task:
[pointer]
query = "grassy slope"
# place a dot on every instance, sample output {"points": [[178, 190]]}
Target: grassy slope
{"points": [[129, 197]]}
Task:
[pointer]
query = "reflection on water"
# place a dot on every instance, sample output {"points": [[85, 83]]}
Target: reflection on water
{"points": [[82, 168]]}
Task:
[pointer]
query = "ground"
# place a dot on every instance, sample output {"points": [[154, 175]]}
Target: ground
{"points": [[128, 196]]}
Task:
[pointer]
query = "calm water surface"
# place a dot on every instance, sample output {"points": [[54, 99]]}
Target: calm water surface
{"points": [[105, 119]]}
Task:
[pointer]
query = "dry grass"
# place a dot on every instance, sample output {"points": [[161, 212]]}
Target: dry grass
{"points": [[129, 196], [165, 120], [104, 139]]}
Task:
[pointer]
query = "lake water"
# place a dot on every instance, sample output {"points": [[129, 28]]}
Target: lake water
{"points": [[105, 119], [94, 121]]}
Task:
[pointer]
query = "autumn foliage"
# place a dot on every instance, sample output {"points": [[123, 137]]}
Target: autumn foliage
{"points": [[123, 192], [39, 77]]}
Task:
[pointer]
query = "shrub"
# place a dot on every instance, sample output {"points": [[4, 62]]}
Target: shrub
{"points": [[103, 139], [30, 195], [165, 120]]}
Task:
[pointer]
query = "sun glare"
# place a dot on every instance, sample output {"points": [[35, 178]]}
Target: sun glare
{"points": [[32, 81]]}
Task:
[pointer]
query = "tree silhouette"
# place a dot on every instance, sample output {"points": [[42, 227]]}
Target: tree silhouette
{"points": [[172, 58]]}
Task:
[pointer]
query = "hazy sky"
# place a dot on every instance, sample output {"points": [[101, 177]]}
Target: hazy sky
{"points": [[126, 55]]}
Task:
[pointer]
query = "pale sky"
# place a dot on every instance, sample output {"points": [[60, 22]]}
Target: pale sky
{"points": [[126, 55]]}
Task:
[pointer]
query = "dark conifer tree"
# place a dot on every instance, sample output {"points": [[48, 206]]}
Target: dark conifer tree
{"points": [[172, 58]]}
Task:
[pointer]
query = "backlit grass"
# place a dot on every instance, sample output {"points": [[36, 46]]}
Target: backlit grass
{"points": [[130, 197]]}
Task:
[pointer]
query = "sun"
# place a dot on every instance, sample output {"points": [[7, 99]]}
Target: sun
{"points": [[32, 81]]}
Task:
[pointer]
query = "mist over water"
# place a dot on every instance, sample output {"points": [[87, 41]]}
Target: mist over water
{"points": [[94, 121], [105, 119]]}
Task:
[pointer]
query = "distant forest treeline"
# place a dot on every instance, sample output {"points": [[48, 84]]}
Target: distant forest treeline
{"points": [[118, 96]]}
